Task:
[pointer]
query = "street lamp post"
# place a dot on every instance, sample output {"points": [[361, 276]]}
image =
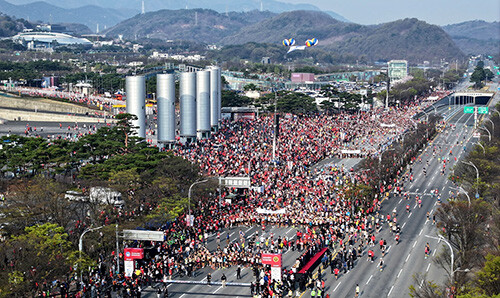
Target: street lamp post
{"points": [[460, 189], [451, 250], [489, 134], [492, 125], [426, 116], [481, 145], [189, 194], [477, 172], [80, 247]]}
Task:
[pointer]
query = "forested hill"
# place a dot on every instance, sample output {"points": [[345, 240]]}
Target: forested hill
{"points": [[409, 39], [10, 26]]}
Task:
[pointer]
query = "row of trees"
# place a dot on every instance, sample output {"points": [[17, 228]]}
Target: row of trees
{"points": [[40, 228], [480, 75], [472, 228]]}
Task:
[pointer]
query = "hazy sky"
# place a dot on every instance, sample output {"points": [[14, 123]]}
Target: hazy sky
{"points": [[439, 12]]}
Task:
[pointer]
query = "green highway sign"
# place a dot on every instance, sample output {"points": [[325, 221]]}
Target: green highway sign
{"points": [[468, 110], [482, 110]]}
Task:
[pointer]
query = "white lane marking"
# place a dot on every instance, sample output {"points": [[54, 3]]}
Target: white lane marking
{"points": [[390, 291], [421, 283], [420, 232], [217, 289], [400, 272], [337, 286], [369, 279], [182, 295], [428, 266], [434, 252], [409, 215], [407, 257], [248, 229], [389, 248], [400, 201], [415, 243], [403, 226], [431, 211], [230, 235]]}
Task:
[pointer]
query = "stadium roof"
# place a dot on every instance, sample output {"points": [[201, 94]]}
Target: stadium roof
{"points": [[49, 37]]}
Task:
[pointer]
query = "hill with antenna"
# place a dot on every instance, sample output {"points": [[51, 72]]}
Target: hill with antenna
{"points": [[89, 15], [200, 25], [126, 6]]}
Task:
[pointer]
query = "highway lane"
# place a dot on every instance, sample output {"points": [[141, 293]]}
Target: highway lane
{"points": [[406, 258]]}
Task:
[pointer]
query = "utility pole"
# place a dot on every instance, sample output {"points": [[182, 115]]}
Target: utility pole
{"points": [[117, 252], [275, 124]]}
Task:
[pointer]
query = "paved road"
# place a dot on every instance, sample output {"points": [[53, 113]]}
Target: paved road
{"points": [[402, 260]]}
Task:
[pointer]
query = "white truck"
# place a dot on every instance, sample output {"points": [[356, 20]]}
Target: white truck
{"points": [[99, 195], [106, 195]]}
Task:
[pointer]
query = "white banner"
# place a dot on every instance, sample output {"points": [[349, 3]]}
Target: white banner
{"points": [[276, 273], [265, 211], [350, 151], [129, 268]]}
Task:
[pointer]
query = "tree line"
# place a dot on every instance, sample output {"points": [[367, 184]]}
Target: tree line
{"points": [[40, 228]]}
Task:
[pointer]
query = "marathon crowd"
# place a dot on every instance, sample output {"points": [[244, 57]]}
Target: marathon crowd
{"points": [[291, 194]]}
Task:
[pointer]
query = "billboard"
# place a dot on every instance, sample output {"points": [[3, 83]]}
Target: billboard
{"points": [[143, 235], [271, 259], [131, 254]]}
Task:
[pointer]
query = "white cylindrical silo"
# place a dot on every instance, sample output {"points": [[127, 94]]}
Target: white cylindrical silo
{"points": [[135, 87], [219, 93], [214, 97], [165, 94], [203, 104], [187, 95]]}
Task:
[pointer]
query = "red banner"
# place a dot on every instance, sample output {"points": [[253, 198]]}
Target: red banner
{"points": [[133, 253], [271, 259]]}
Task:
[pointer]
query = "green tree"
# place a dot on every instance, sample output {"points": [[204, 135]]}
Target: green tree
{"points": [[230, 98], [488, 278], [478, 76], [42, 253]]}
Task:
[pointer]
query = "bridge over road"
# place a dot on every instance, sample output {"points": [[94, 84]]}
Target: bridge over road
{"points": [[474, 97]]}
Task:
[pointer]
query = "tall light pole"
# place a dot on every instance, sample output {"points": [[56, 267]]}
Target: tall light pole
{"points": [[477, 172], [80, 248], [489, 134], [460, 189], [492, 125], [189, 195], [451, 250], [481, 145], [117, 250]]}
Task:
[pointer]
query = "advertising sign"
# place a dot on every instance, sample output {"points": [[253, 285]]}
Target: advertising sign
{"points": [[129, 268], [131, 254], [271, 259]]}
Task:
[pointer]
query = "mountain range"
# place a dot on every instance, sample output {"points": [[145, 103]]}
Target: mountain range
{"points": [[410, 39], [89, 15], [476, 36], [110, 12]]}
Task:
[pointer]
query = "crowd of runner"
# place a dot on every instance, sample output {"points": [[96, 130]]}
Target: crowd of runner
{"points": [[288, 191]]}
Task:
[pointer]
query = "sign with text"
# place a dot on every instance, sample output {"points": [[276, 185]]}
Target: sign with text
{"points": [[468, 110], [143, 235], [131, 254], [271, 259], [482, 110]]}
